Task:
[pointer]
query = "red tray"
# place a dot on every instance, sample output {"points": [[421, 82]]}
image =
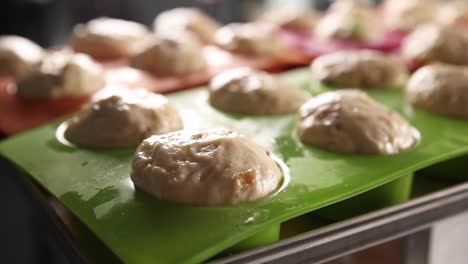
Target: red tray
{"points": [[19, 114], [313, 47]]}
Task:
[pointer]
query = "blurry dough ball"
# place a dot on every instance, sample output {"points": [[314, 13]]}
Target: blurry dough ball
{"points": [[249, 91], [434, 43], [62, 74], [453, 12], [122, 120], [349, 20], [108, 38], [358, 69], [191, 20], [175, 55], [292, 19], [18, 55], [210, 167], [249, 38], [349, 121], [408, 14], [441, 89]]}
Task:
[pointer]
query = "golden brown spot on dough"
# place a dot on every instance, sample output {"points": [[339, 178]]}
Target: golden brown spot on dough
{"points": [[245, 178]]}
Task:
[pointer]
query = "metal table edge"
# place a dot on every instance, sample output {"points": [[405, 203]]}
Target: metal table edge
{"points": [[352, 235]]}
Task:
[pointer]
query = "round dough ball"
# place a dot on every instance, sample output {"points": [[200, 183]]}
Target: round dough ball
{"points": [[434, 43], [359, 69], [453, 12], [108, 38], [408, 14], [249, 91], [175, 55], [249, 38], [441, 89], [18, 55], [62, 74], [292, 19], [349, 121], [349, 20], [212, 167], [122, 120], [186, 19]]}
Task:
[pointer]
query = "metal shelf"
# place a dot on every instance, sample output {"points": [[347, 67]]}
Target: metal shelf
{"points": [[353, 235]]}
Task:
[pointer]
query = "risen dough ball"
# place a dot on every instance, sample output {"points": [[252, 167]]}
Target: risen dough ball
{"points": [[441, 89], [62, 74], [249, 39], [409, 14], [122, 120], [349, 20], [453, 12], [175, 55], [213, 167], [186, 19], [349, 121], [292, 19], [360, 69], [432, 42], [249, 91], [108, 38], [18, 55]]}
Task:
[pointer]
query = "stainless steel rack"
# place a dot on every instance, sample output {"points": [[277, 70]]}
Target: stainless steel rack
{"points": [[413, 220]]}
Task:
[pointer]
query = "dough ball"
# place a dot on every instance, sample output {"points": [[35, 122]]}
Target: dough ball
{"points": [[108, 38], [175, 55], [408, 14], [349, 121], [249, 91], [18, 55], [292, 19], [212, 167], [359, 69], [252, 39], [62, 74], [441, 89], [349, 20], [453, 12], [186, 19], [434, 43], [122, 120]]}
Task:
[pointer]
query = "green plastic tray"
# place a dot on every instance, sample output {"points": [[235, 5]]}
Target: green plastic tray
{"points": [[451, 170], [95, 185], [389, 194]]}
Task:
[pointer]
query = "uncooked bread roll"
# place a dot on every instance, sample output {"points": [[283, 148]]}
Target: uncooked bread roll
{"points": [[18, 55], [349, 121], [249, 91], [435, 43], [408, 14], [122, 120], [176, 55], [108, 38], [62, 74], [212, 167], [249, 39], [186, 19], [453, 12], [349, 20], [292, 19], [358, 69], [441, 89]]}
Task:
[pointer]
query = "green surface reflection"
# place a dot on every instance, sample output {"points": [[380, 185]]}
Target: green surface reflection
{"points": [[95, 184]]}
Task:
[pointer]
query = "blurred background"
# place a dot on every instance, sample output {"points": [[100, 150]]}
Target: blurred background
{"points": [[49, 22]]}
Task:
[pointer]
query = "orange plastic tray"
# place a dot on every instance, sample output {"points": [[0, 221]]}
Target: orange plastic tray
{"points": [[19, 114]]}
